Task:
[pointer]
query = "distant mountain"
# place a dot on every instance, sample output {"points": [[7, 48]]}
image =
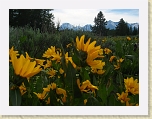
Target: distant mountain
{"points": [[87, 27], [64, 26], [133, 25], [111, 24]]}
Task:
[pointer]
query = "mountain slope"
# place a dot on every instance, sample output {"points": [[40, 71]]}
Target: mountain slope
{"points": [[87, 27]]}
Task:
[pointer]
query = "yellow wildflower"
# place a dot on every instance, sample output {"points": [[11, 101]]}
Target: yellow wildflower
{"points": [[101, 53], [85, 101], [120, 60], [80, 44], [118, 63], [107, 51], [94, 63], [129, 104], [117, 66], [56, 56], [103, 40], [53, 86], [131, 85], [22, 89], [49, 52], [42, 95], [50, 86], [48, 64], [92, 52], [24, 67], [51, 72], [48, 100], [128, 38], [61, 71], [123, 97], [68, 45], [99, 71], [27, 56], [12, 52], [69, 59], [61, 91], [47, 89], [111, 58], [137, 104], [40, 61], [86, 86]]}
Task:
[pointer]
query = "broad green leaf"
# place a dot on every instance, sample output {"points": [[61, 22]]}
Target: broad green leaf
{"points": [[102, 93], [120, 80], [70, 79], [15, 97]]}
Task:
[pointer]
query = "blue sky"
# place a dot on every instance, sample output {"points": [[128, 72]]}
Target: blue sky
{"points": [[86, 16]]}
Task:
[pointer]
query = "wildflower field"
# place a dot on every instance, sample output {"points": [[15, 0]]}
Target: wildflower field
{"points": [[72, 68]]}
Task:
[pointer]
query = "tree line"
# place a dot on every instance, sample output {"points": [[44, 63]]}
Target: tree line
{"points": [[35, 18], [122, 29], [43, 20]]}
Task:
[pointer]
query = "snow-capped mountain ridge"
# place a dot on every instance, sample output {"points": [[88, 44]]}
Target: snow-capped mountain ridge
{"points": [[87, 27]]}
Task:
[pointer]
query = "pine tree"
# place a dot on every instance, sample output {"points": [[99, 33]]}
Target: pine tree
{"points": [[135, 31], [130, 30], [36, 18], [99, 27], [121, 28]]}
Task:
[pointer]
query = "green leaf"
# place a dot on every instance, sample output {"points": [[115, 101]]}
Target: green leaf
{"points": [[76, 60], [119, 79], [15, 97], [108, 70], [102, 93], [53, 98], [92, 101], [85, 74], [112, 101], [95, 80], [109, 87], [23, 38], [131, 57], [70, 78]]}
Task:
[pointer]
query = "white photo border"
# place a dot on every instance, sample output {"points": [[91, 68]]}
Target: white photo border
{"points": [[142, 109]]}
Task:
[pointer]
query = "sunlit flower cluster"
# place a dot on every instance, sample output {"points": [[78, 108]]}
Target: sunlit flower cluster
{"points": [[132, 86], [118, 63], [123, 97]]}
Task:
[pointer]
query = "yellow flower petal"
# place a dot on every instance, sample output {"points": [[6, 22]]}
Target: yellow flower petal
{"points": [[78, 43], [91, 46], [24, 69], [82, 42], [36, 70], [19, 64], [87, 44], [30, 68]]}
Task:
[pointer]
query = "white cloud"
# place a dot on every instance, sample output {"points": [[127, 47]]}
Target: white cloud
{"points": [[75, 16], [86, 16], [126, 17]]}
